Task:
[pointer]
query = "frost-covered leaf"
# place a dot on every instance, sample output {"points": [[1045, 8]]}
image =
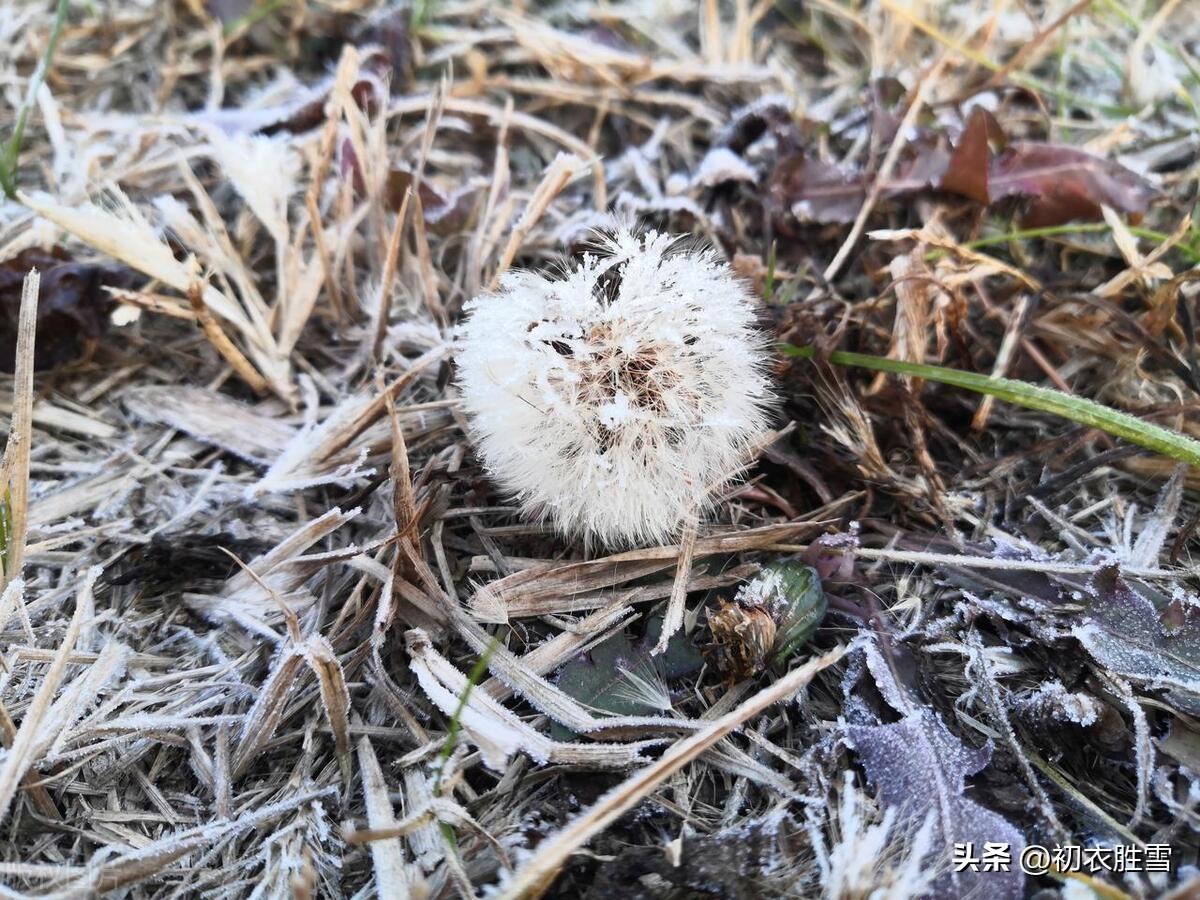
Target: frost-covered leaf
{"points": [[1143, 636], [802, 608], [919, 766], [791, 592], [812, 190], [720, 166]]}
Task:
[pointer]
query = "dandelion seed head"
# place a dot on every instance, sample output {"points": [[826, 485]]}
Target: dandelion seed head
{"points": [[611, 400]]}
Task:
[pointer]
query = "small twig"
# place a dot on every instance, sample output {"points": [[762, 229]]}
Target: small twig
{"points": [[885, 169], [217, 337], [673, 619]]}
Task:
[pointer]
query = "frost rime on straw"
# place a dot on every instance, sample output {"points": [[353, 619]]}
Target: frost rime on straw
{"points": [[613, 399]]}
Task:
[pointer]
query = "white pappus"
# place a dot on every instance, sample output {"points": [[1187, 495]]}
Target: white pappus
{"points": [[614, 399]]}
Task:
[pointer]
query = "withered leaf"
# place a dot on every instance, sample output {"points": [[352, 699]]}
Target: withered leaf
{"points": [[391, 32], [1063, 184], [1058, 183], [72, 309], [967, 171], [444, 213], [816, 191]]}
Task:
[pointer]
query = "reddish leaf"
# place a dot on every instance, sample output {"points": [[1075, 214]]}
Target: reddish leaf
{"points": [[349, 166], [367, 92], [967, 171], [1065, 183], [398, 181], [1059, 183], [72, 307]]}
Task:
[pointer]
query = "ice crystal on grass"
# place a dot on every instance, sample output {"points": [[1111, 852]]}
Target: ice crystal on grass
{"points": [[613, 399], [874, 855]]}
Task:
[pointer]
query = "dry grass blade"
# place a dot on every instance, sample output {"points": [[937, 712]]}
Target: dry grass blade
{"points": [[519, 593], [268, 709], [21, 755], [498, 732], [335, 696], [243, 430], [145, 862], [14, 470], [558, 173], [673, 620], [549, 699], [534, 877], [130, 238], [393, 875]]}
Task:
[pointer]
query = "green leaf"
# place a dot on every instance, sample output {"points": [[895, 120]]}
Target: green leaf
{"points": [[1031, 396], [12, 152], [619, 675], [795, 594]]}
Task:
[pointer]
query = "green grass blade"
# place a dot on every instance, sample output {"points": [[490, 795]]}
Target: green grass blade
{"points": [[5, 530], [1076, 409], [475, 676], [12, 152]]}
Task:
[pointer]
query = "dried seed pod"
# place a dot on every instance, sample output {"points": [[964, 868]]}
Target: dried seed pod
{"points": [[612, 400], [742, 639], [772, 616]]}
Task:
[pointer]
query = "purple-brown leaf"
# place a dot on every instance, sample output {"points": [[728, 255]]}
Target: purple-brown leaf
{"points": [[967, 171], [1063, 184], [72, 311], [816, 191]]}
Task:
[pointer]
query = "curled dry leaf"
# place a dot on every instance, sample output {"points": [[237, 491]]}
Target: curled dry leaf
{"points": [[72, 310]]}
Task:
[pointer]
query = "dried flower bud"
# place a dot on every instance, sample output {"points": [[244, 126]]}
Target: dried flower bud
{"points": [[742, 639], [612, 400]]}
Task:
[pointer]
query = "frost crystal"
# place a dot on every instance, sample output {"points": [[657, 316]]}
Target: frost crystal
{"points": [[613, 399]]}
